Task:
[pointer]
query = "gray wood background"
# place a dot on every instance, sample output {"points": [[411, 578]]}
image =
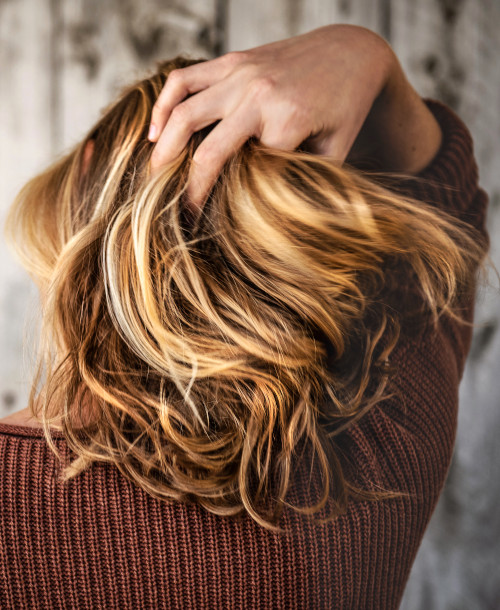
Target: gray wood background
{"points": [[61, 61]]}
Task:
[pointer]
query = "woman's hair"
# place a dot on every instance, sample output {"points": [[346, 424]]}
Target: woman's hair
{"points": [[200, 355]]}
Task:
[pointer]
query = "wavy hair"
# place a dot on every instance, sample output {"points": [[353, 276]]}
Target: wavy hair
{"points": [[199, 355]]}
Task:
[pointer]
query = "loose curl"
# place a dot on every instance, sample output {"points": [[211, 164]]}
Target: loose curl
{"points": [[199, 355]]}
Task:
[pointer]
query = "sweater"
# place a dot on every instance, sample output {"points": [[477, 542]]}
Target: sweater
{"points": [[99, 541]]}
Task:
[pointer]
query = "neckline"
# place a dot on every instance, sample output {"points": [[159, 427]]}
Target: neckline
{"points": [[27, 431]]}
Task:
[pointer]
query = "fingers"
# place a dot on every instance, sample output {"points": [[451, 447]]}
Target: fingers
{"points": [[210, 156], [334, 145], [193, 114], [182, 82], [276, 135]]}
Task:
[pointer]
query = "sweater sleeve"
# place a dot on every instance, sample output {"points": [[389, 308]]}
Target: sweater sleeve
{"points": [[451, 182]]}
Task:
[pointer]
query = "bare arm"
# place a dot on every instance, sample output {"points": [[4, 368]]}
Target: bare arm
{"points": [[400, 132]]}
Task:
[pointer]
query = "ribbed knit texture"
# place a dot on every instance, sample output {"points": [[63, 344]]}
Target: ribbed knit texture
{"points": [[101, 542]]}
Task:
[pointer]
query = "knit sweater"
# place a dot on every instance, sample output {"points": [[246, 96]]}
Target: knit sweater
{"points": [[99, 541]]}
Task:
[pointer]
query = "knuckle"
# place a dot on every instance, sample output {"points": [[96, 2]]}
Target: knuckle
{"points": [[155, 159], [181, 115], [289, 129], [234, 58], [205, 155], [158, 107], [294, 112], [176, 77], [262, 87]]}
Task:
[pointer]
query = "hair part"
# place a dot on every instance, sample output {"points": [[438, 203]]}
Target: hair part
{"points": [[201, 356]]}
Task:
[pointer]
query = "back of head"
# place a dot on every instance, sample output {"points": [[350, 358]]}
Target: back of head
{"points": [[198, 354]]}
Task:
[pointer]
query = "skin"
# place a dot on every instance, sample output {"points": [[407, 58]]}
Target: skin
{"points": [[21, 418], [338, 90]]}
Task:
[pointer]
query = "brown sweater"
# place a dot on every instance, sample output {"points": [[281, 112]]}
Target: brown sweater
{"points": [[101, 542]]}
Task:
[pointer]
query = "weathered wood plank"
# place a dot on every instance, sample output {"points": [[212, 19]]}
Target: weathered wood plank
{"points": [[105, 45], [25, 147], [251, 24], [449, 50], [60, 64]]}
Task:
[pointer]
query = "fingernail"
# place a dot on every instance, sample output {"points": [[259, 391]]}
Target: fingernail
{"points": [[152, 132]]}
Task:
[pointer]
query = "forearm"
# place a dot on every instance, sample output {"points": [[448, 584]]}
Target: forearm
{"points": [[400, 132]]}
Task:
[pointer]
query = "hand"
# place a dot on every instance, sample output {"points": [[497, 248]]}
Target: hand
{"points": [[316, 89]]}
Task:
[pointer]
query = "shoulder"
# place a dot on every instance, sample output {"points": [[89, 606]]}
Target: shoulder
{"points": [[20, 418]]}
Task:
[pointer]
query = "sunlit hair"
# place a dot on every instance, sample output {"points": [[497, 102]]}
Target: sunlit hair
{"points": [[200, 355]]}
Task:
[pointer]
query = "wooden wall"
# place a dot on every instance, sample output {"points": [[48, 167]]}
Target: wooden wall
{"points": [[61, 62]]}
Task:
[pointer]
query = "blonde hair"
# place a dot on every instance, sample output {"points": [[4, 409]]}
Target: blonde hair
{"points": [[209, 350]]}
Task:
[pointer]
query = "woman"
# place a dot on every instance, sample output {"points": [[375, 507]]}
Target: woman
{"points": [[251, 341]]}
